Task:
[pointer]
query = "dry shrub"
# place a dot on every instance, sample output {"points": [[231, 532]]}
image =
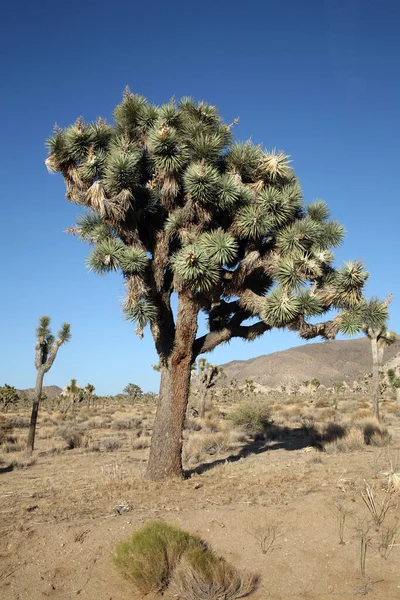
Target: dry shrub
{"points": [[201, 445], [375, 433], [333, 431], [192, 424], [276, 407], [327, 414], [5, 429], [254, 418], [139, 443], [12, 444], [21, 461], [362, 413], [323, 402], [353, 440], [74, 436], [160, 556], [149, 557], [201, 575], [110, 444], [18, 422], [391, 408], [121, 424], [211, 424], [98, 423]]}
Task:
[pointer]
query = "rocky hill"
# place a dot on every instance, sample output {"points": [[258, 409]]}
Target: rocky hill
{"points": [[51, 391], [348, 361]]}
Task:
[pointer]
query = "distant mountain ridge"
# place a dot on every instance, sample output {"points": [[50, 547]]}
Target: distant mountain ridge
{"points": [[341, 360], [51, 391]]}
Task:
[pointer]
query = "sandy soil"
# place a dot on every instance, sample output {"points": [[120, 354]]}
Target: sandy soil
{"points": [[60, 519]]}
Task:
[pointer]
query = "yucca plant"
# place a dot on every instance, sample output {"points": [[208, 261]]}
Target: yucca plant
{"points": [[371, 318], [206, 376], [178, 207], [47, 347], [394, 381]]}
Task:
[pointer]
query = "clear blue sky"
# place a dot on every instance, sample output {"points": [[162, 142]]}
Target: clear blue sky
{"points": [[318, 78]]}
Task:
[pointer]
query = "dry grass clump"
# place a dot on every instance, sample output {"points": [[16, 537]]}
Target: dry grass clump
{"points": [[192, 424], [74, 436], [5, 429], [18, 422], [20, 460], [13, 444], [201, 575], [254, 418], [98, 423], [375, 433], [160, 556], [110, 444], [139, 443], [362, 413], [201, 445], [122, 424], [353, 440]]}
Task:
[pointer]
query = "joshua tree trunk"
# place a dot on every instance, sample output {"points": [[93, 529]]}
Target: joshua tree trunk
{"points": [[165, 458], [375, 376], [202, 403], [35, 410]]}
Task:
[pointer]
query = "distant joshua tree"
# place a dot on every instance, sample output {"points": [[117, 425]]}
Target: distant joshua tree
{"points": [[46, 351], [8, 396], [134, 391], [394, 381], [371, 318], [207, 376]]}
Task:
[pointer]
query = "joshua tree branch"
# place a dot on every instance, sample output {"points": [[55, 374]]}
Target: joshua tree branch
{"points": [[211, 340]]}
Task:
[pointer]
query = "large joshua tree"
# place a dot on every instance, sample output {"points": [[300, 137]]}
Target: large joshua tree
{"points": [[47, 347], [178, 207]]}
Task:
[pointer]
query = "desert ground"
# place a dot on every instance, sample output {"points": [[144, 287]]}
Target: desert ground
{"points": [[285, 496]]}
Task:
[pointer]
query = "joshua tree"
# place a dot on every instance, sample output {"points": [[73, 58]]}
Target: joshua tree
{"points": [[179, 208], [134, 391], [394, 381], [8, 396], [315, 382], [207, 376], [46, 351], [88, 393], [371, 317]]}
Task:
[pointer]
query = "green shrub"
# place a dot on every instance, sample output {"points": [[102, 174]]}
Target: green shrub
{"points": [[254, 418], [149, 557]]}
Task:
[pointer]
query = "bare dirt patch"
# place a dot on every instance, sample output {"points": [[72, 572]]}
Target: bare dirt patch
{"points": [[63, 514]]}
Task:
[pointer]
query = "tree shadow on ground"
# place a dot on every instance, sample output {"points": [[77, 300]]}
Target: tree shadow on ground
{"points": [[6, 469], [275, 438]]}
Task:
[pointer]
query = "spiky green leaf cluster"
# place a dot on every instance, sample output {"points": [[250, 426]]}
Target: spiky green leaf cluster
{"points": [[142, 312], [195, 268], [175, 202]]}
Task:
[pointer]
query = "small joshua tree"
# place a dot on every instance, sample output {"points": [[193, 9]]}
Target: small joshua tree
{"points": [[134, 391], [394, 381], [46, 351], [182, 210], [88, 393], [371, 318], [8, 396], [207, 376]]}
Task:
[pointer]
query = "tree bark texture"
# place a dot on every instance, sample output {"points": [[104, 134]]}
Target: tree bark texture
{"points": [[35, 409], [202, 403], [165, 458], [375, 377]]}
